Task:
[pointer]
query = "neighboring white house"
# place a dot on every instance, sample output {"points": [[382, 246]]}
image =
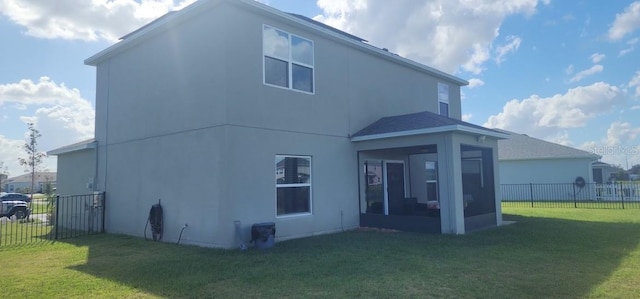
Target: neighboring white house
{"points": [[22, 183], [76, 168], [552, 171], [603, 172], [524, 159], [230, 110]]}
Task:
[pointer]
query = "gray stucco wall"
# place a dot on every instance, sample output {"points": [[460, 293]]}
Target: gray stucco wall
{"points": [[550, 179], [352, 88], [76, 172], [185, 117], [550, 171]]}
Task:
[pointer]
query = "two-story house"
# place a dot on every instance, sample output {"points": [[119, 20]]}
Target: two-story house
{"points": [[230, 110]]}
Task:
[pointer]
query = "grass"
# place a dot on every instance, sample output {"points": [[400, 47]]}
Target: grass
{"points": [[23, 231], [39, 207], [581, 204], [548, 253]]}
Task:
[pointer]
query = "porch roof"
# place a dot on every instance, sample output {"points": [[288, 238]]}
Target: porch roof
{"points": [[82, 145], [420, 123]]}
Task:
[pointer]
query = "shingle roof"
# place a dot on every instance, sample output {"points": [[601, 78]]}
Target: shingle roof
{"points": [[523, 147], [39, 177], [421, 123]]}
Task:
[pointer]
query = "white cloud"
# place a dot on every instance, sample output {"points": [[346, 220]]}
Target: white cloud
{"points": [[635, 82], [560, 138], [512, 44], [569, 70], [568, 17], [636, 107], [437, 33], [588, 72], [619, 146], [85, 20], [475, 82], [626, 51], [10, 150], [625, 22], [596, 57], [61, 115], [631, 47], [621, 133], [543, 117], [467, 117]]}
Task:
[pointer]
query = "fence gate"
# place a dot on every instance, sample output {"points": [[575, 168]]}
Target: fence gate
{"points": [[54, 218]]}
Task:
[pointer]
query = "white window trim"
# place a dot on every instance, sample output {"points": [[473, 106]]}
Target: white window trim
{"points": [[446, 101], [310, 185], [290, 63]]}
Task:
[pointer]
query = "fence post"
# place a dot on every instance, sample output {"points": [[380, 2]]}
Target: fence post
{"points": [[531, 193], [621, 195], [57, 221], [575, 202]]}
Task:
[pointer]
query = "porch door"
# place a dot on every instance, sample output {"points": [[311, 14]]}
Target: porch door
{"points": [[394, 187]]}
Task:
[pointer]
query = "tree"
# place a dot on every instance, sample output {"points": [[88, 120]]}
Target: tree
{"points": [[4, 173], [34, 157], [635, 169]]}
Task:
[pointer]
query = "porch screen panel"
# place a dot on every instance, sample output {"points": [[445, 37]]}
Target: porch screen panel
{"points": [[373, 190]]}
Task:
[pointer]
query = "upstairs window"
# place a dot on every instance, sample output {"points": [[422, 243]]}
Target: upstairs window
{"points": [[443, 99], [288, 60]]}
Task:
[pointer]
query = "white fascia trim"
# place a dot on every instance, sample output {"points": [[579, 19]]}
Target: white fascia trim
{"points": [[485, 132], [72, 148], [132, 40], [442, 129]]}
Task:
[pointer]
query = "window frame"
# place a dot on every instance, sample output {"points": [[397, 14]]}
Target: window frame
{"points": [[290, 61], [443, 100], [295, 185]]}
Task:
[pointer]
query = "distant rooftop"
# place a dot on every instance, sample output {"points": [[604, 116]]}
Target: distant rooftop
{"points": [[39, 177], [523, 147]]}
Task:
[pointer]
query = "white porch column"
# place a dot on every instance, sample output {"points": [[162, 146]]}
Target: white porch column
{"points": [[451, 203], [496, 181]]}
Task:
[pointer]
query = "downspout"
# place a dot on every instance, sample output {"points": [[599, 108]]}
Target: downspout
{"points": [[359, 170], [106, 126]]}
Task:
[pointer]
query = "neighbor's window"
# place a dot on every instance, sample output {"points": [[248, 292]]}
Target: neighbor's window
{"points": [[443, 99], [293, 185], [288, 60]]}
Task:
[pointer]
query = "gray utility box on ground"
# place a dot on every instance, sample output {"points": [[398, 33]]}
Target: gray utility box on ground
{"points": [[263, 234]]}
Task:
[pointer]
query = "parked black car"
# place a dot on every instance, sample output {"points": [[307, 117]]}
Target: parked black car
{"points": [[14, 196], [11, 208]]}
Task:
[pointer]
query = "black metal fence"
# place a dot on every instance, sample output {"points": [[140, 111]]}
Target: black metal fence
{"points": [[54, 218], [618, 195]]}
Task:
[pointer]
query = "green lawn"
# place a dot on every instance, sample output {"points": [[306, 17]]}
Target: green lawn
{"points": [[548, 253]]}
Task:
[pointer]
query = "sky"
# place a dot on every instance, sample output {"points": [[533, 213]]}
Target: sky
{"points": [[562, 71]]}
